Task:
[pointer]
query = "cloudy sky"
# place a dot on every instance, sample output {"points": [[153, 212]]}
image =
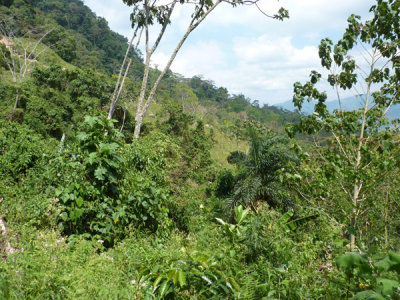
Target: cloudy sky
{"points": [[241, 49]]}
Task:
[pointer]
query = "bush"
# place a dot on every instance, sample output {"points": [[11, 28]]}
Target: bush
{"points": [[91, 171], [108, 188], [145, 187], [20, 150], [225, 183]]}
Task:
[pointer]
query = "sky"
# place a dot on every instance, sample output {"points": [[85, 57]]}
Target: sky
{"points": [[241, 49]]}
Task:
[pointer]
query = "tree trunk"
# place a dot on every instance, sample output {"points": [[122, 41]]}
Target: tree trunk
{"points": [[354, 216], [143, 104], [386, 227], [61, 143], [15, 105], [115, 100], [138, 125], [357, 184], [123, 121], [117, 85]]}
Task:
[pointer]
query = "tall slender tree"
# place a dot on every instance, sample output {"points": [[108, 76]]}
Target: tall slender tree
{"points": [[147, 14]]}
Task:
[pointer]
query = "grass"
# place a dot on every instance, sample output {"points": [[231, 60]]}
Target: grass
{"points": [[223, 146]]}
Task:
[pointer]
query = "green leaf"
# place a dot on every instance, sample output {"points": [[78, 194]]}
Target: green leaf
{"points": [[221, 221], [157, 281], [171, 274], [205, 278], [351, 260], [293, 225], [100, 172], [92, 157], [370, 295], [389, 263], [234, 283], [90, 120], [182, 278], [58, 192], [240, 214], [163, 288], [79, 201], [203, 261], [64, 216], [285, 217], [176, 276], [82, 136], [386, 287]]}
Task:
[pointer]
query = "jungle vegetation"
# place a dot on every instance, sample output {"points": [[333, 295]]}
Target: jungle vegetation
{"points": [[217, 197]]}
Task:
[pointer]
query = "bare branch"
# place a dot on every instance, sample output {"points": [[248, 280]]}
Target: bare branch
{"points": [[112, 108], [121, 87], [190, 28], [162, 31]]}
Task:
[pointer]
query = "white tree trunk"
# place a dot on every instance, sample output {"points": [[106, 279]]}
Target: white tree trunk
{"points": [[15, 105], [143, 106]]}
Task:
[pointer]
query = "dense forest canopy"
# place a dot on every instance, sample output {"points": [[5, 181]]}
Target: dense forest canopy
{"points": [[220, 197]]}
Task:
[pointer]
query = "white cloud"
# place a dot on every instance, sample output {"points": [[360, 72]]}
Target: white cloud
{"points": [[311, 14], [200, 58], [260, 66], [274, 52]]}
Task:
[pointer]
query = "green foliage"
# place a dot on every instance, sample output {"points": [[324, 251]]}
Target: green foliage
{"points": [[56, 99], [3, 61], [224, 183], [199, 276], [258, 178], [25, 179], [20, 150], [371, 283], [52, 269], [197, 145], [237, 158], [279, 260], [91, 172], [233, 231], [292, 225], [95, 217], [194, 142], [353, 148], [65, 44], [107, 189], [178, 121], [85, 33], [145, 187]]}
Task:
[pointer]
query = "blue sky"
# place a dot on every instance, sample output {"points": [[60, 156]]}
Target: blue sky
{"points": [[244, 51]]}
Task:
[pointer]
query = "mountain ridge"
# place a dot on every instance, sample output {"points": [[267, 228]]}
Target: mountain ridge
{"points": [[348, 104]]}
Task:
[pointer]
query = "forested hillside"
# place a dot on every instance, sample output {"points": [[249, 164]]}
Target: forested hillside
{"points": [[218, 198]]}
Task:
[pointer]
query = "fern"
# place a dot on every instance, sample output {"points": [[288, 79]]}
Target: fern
{"points": [[249, 283]]}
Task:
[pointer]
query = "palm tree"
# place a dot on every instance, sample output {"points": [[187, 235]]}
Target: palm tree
{"points": [[258, 179]]}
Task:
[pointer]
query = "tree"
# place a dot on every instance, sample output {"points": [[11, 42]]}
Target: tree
{"points": [[148, 13], [258, 178], [361, 148], [19, 56], [120, 84], [186, 97]]}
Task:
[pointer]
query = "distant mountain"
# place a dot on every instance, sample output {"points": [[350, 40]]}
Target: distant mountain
{"points": [[349, 103]]}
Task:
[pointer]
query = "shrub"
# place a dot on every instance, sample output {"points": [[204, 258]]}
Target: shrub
{"points": [[108, 188], [91, 171], [225, 183], [20, 149]]}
